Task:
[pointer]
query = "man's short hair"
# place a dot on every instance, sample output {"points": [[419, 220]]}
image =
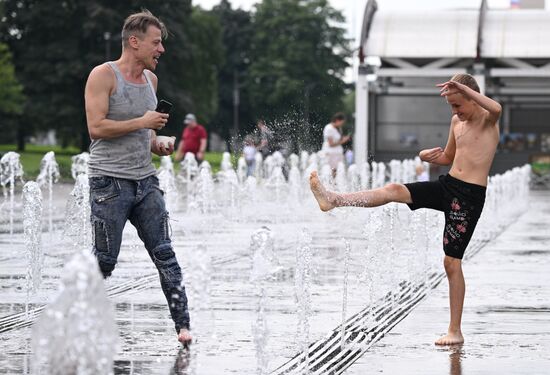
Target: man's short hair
{"points": [[466, 80], [137, 24], [338, 116]]}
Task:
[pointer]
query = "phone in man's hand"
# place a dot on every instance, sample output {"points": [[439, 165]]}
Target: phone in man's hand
{"points": [[164, 106]]}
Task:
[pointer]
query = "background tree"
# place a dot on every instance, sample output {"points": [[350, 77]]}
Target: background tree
{"points": [[56, 44], [298, 61], [237, 31], [200, 73], [11, 93]]}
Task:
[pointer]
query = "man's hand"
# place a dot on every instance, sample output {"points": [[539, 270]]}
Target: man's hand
{"points": [[451, 88], [200, 155], [159, 149], [431, 155], [154, 120]]}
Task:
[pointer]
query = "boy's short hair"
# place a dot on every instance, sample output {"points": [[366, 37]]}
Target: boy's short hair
{"points": [[467, 80], [137, 24], [338, 116]]}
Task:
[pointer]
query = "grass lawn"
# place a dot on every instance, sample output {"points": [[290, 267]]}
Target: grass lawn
{"points": [[30, 159]]}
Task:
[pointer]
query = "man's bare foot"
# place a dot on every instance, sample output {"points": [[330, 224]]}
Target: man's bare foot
{"points": [[320, 193], [185, 337], [450, 339]]}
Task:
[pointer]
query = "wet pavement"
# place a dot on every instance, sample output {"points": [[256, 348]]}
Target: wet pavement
{"points": [[394, 261], [222, 298], [506, 321]]}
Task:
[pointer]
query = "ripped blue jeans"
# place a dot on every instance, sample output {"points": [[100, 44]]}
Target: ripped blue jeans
{"points": [[113, 202]]}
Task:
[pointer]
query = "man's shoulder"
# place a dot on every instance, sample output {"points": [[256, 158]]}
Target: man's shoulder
{"points": [[152, 76], [102, 69], [101, 72]]}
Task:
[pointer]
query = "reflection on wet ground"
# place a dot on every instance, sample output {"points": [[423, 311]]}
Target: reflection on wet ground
{"points": [[455, 357]]}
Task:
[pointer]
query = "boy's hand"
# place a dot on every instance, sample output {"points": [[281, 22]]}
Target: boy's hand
{"points": [[431, 155], [451, 88]]}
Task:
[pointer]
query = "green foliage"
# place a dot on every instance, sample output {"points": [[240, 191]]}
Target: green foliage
{"points": [[31, 157], [11, 92], [56, 44], [288, 57], [298, 61], [201, 74], [237, 31]]}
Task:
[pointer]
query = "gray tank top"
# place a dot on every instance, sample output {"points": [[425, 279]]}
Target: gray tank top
{"points": [[127, 156]]}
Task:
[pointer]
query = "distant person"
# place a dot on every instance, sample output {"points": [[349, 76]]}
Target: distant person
{"points": [[333, 140], [460, 195], [249, 154], [120, 99], [193, 139], [265, 138], [348, 156]]}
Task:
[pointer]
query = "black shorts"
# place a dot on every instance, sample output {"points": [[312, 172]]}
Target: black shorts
{"points": [[462, 204]]}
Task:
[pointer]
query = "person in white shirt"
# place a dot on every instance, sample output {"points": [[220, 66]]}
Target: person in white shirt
{"points": [[333, 140], [249, 153]]}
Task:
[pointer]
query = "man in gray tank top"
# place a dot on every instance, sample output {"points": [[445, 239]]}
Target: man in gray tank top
{"points": [[120, 108]]}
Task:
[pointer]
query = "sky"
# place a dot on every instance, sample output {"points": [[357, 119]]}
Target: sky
{"points": [[353, 12], [353, 9]]}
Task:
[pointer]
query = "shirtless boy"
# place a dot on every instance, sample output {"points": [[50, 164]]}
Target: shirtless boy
{"points": [[460, 194]]}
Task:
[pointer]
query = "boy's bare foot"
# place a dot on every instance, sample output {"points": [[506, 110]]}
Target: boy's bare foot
{"points": [[185, 337], [320, 193], [450, 339]]}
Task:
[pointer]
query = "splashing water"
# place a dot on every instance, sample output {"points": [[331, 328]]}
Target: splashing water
{"points": [[264, 260], [259, 161], [49, 174], [242, 170], [76, 334], [302, 287], [255, 195], [203, 191], [325, 175], [32, 227], [167, 181], [77, 219], [345, 292], [10, 170], [341, 178], [79, 164], [294, 183], [276, 183], [226, 162], [199, 280], [304, 160], [264, 265], [260, 332]]}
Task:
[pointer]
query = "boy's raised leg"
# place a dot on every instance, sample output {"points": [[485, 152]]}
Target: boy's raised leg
{"points": [[369, 198], [457, 288]]}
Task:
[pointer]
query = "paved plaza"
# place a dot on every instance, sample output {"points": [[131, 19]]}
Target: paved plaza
{"points": [[506, 313]]}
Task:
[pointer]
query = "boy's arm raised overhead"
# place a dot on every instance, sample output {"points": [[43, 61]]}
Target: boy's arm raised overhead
{"points": [[494, 108]]}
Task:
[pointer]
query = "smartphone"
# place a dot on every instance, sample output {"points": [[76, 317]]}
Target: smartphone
{"points": [[164, 106]]}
